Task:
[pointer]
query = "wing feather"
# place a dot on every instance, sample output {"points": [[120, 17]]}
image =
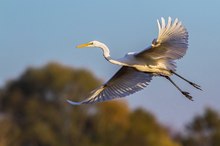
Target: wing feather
{"points": [[171, 44], [125, 82]]}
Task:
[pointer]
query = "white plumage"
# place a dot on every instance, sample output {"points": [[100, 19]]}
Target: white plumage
{"points": [[138, 68]]}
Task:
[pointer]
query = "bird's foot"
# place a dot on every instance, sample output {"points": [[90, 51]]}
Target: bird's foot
{"points": [[195, 85], [187, 94]]}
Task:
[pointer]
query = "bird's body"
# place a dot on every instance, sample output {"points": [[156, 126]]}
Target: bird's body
{"points": [[143, 65], [138, 68]]}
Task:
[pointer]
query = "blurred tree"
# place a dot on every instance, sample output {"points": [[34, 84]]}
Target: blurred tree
{"points": [[36, 108], [33, 112], [204, 130], [145, 130]]}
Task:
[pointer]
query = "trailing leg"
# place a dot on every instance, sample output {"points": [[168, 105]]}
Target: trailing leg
{"points": [[186, 94], [191, 83]]}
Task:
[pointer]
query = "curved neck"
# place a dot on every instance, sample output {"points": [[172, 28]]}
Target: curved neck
{"points": [[106, 54]]}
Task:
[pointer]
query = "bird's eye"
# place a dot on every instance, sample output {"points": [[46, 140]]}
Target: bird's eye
{"points": [[91, 43]]}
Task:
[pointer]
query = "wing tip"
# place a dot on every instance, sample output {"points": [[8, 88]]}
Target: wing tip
{"points": [[73, 103], [169, 27]]}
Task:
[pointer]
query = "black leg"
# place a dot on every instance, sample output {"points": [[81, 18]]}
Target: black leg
{"points": [[183, 92], [191, 83]]}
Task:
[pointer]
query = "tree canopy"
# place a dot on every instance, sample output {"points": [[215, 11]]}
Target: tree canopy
{"points": [[203, 130]]}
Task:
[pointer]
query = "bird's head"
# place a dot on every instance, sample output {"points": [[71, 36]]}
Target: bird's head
{"points": [[91, 44]]}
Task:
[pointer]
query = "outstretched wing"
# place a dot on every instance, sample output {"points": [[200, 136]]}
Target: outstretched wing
{"points": [[125, 82], [171, 43]]}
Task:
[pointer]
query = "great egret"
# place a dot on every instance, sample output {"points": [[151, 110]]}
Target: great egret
{"points": [[138, 68]]}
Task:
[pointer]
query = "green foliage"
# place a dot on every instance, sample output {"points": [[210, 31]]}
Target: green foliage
{"points": [[33, 112], [145, 130], [204, 130]]}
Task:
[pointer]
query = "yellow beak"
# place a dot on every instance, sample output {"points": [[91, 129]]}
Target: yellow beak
{"points": [[83, 45]]}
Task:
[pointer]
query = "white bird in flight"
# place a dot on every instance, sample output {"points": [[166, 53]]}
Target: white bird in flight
{"points": [[138, 68]]}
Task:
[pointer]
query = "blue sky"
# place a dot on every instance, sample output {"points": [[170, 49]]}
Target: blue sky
{"points": [[33, 33]]}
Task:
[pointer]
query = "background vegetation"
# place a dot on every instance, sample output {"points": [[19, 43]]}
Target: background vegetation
{"points": [[33, 112]]}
